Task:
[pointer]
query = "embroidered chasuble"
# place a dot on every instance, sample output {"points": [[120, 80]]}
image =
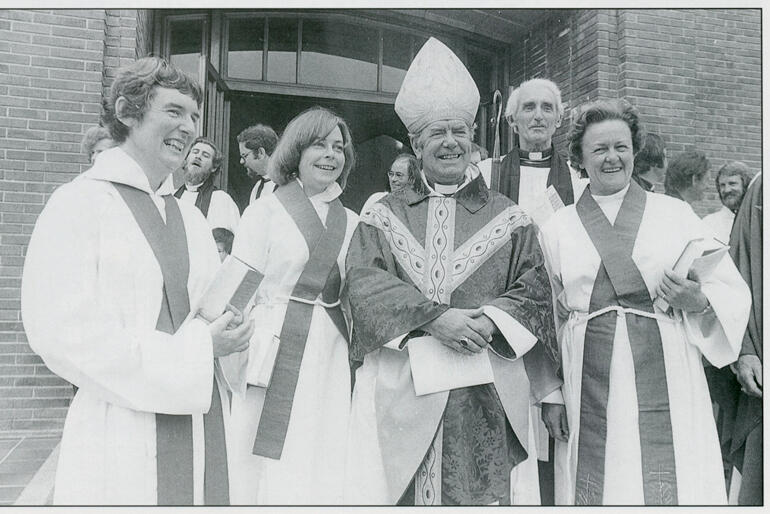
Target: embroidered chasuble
{"points": [[620, 290], [415, 254], [175, 433]]}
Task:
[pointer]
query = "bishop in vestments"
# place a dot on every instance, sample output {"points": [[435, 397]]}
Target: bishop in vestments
{"points": [[455, 260]]}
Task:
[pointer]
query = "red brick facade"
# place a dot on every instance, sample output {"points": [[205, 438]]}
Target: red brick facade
{"points": [[694, 74], [54, 66]]}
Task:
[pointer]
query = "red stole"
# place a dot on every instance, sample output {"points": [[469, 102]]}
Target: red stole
{"points": [[320, 276], [619, 283], [174, 437]]}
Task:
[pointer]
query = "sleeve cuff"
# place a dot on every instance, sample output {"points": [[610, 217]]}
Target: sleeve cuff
{"points": [[554, 397], [398, 343], [518, 338]]}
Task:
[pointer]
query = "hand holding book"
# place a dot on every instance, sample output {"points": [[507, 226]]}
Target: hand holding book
{"points": [[680, 287], [682, 293]]}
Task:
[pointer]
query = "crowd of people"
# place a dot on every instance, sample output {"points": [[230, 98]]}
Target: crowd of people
{"points": [[578, 364]]}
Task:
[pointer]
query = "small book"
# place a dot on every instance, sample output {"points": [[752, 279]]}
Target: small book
{"points": [[235, 284], [698, 259], [437, 367], [263, 350]]}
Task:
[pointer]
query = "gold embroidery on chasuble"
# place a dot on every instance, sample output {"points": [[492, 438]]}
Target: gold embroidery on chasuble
{"points": [[463, 261], [407, 251], [438, 269]]}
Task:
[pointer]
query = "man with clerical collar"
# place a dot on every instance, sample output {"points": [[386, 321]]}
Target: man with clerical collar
{"points": [[255, 146], [534, 111], [200, 168], [732, 181], [114, 265], [453, 268]]}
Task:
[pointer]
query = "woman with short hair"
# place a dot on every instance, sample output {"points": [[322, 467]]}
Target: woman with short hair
{"points": [[96, 140], [290, 413], [641, 429]]}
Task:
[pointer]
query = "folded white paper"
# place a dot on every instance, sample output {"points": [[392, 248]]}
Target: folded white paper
{"points": [[437, 367]]}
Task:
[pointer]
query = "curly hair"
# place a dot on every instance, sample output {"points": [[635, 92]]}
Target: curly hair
{"points": [[92, 136], [258, 136], [596, 112], [216, 161], [136, 83], [300, 133], [684, 168]]}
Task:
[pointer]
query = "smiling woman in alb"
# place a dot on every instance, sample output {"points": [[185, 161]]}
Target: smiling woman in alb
{"points": [[114, 272], [641, 428], [292, 399]]}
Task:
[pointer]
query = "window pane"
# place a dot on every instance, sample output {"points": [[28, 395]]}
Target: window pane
{"points": [[336, 54], [282, 50], [244, 51], [185, 45], [396, 58]]}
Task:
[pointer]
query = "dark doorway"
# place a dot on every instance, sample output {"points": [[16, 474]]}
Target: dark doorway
{"points": [[378, 136]]}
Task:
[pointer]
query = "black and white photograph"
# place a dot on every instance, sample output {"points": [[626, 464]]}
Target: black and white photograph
{"points": [[381, 256]]}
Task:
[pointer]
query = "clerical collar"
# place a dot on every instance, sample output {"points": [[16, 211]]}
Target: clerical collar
{"points": [[193, 189], [449, 189], [536, 156]]}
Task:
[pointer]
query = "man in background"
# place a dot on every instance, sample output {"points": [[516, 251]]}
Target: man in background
{"points": [[200, 168], [732, 181], [686, 176], [255, 146]]}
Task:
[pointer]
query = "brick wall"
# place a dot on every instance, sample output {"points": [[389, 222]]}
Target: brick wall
{"points": [[54, 65], [694, 74]]}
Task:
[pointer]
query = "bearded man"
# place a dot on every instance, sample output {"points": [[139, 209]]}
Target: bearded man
{"points": [[200, 168]]}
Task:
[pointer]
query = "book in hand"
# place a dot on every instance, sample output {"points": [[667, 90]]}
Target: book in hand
{"points": [[698, 260], [263, 350], [437, 367], [235, 284]]}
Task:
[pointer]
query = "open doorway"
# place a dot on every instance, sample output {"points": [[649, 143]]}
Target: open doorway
{"points": [[378, 136]]}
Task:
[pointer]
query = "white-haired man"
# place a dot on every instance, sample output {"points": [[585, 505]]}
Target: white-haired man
{"points": [[200, 167], [454, 260], [534, 111]]}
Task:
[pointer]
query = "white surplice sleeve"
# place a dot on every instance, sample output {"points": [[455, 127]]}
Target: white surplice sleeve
{"points": [[223, 212], [252, 246], [76, 319], [718, 334]]}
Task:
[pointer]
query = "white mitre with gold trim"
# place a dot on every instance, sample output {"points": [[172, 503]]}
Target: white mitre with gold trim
{"points": [[436, 87]]}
